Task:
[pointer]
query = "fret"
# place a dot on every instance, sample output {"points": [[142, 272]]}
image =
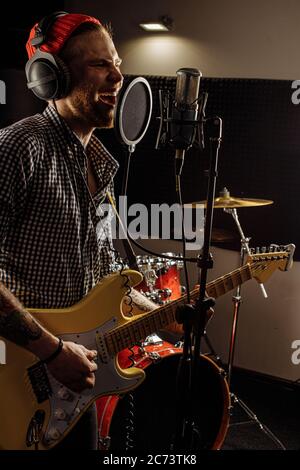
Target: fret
{"points": [[143, 329], [109, 345], [156, 322], [136, 331], [171, 313], [245, 273], [131, 335], [211, 289], [239, 278], [120, 340], [229, 282], [164, 318], [150, 322], [220, 287], [114, 342]]}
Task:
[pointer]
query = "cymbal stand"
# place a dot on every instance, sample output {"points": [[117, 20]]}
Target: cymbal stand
{"points": [[237, 300]]}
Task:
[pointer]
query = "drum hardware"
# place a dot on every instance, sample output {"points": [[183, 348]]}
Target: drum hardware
{"points": [[154, 356], [161, 282], [151, 340], [230, 205]]}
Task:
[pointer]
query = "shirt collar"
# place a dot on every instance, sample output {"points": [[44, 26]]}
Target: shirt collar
{"points": [[105, 166]]}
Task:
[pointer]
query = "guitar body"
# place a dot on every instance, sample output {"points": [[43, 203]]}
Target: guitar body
{"points": [[84, 323]]}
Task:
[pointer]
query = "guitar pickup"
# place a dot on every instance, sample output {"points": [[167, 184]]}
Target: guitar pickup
{"points": [[39, 381], [103, 355]]}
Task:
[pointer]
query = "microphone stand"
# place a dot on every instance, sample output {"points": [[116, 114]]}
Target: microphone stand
{"points": [[194, 318], [129, 251]]}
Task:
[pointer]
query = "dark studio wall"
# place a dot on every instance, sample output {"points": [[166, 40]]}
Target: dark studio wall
{"points": [[258, 158]]}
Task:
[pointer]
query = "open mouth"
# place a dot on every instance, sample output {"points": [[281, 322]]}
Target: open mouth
{"points": [[108, 98]]}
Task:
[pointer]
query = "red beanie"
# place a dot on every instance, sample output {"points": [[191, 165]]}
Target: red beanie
{"points": [[59, 32]]}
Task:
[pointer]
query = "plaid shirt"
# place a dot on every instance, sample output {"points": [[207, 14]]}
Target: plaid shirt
{"points": [[53, 246]]}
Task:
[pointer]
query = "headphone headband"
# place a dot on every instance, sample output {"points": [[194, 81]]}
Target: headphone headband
{"points": [[44, 26]]}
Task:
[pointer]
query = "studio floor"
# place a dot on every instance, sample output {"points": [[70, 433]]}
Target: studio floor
{"points": [[276, 406]]}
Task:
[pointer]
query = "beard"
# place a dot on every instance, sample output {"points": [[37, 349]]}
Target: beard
{"points": [[93, 112]]}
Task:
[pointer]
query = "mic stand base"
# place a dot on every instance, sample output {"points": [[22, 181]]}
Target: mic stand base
{"points": [[253, 420], [235, 400]]}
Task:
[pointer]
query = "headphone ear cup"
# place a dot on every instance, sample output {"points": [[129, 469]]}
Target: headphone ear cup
{"points": [[47, 76], [64, 78]]}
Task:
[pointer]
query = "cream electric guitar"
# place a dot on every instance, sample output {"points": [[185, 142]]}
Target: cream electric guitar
{"points": [[36, 411]]}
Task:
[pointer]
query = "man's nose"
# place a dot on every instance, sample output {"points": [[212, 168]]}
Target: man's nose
{"points": [[115, 75]]}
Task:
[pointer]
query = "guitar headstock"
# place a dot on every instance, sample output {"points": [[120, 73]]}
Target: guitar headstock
{"points": [[264, 261]]}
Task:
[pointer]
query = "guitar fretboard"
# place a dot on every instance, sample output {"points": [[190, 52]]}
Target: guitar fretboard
{"points": [[140, 327]]}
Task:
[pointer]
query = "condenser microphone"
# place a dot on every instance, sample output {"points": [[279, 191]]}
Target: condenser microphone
{"points": [[184, 114]]}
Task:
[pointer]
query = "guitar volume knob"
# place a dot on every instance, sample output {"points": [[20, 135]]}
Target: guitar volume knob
{"points": [[53, 434], [60, 414], [64, 394]]}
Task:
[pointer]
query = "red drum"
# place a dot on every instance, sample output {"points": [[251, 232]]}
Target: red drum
{"points": [[145, 418], [169, 279], [161, 278]]}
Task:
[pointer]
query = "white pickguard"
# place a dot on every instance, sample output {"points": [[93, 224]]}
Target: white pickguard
{"points": [[65, 404]]}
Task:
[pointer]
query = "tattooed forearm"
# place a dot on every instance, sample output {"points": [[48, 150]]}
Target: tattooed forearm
{"points": [[16, 324], [140, 301]]}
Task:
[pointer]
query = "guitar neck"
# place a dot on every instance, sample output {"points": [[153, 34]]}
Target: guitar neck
{"points": [[139, 328]]}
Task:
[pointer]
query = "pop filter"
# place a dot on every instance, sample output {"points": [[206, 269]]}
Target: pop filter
{"points": [[133, 112]]}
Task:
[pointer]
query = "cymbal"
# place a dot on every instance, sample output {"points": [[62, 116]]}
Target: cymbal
{"points": [[225, 201]]}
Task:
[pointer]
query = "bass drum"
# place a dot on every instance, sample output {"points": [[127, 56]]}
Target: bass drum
{"points": [[144, 419]]}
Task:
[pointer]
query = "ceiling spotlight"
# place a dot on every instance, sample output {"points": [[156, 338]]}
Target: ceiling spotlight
{"points": [[165, 23]]}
